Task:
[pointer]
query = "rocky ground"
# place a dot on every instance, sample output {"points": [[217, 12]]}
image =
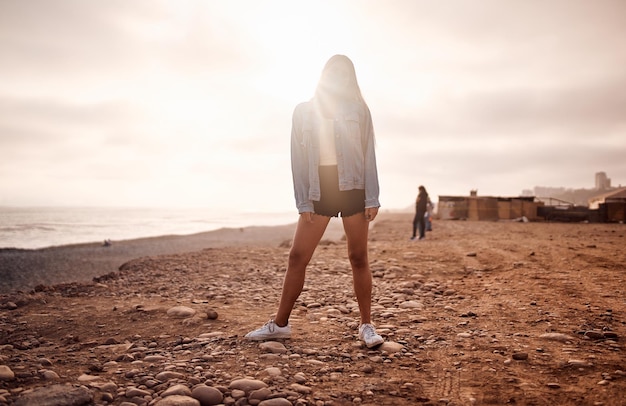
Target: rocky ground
{"points": [[482, 313]]}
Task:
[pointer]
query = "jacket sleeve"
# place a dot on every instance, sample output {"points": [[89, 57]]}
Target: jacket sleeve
{"points": [[372, 189], [300, 164]]}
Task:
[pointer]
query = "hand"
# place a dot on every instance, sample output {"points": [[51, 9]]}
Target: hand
{"points": [[370, 213], [307, 217]]}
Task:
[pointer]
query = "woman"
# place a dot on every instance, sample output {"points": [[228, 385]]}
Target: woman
{"points": [[334, 172], [421, 205]]}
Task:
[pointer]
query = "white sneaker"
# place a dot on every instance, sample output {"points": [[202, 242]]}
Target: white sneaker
{"points": [[367, 333], [269, 331]]}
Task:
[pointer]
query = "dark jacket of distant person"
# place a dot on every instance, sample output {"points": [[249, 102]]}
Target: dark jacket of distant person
{"points": [[421, 204]]}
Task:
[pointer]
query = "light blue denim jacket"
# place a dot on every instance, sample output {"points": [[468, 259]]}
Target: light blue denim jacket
{"points": [[354, 143]]}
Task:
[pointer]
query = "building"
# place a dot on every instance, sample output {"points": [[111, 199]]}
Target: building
{"points": [[611, 206], [602, 181], [487, 208]]}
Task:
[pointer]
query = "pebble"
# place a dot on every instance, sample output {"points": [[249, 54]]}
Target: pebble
{"points": [[272, 371], [44, 362], [88, 378], [411, 304], [578, 363], [207, 395], [181, 312], [154, 358], [300, 388], [177, 390], [391, 347], [260, 394], [109, 387], [377, 359], [49, 375], [273, 346], [167, 375], [247, 385], [178, 400], [557, 337], [186, 367], [6, 374], [136, 392], [594, 335], [237, 393], [56, 395], [520, 356], [367, 369], [275, 402]]}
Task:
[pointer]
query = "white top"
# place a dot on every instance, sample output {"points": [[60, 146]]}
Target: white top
{"points": [[328, 153]]}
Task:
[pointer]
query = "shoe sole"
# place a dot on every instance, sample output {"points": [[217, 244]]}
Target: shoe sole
{"points": [[266, 338], [376, 344]]}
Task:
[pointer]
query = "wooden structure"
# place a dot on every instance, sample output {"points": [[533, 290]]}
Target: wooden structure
{"points": [[482, 208], [611, 205], [452, 208], [613, 211], [486, 208]]}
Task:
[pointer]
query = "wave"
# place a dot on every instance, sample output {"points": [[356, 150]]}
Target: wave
{"points": [[34, 228]]}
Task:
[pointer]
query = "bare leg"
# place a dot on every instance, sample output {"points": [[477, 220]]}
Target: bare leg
{"points": [[356, 228], [306, 238]]}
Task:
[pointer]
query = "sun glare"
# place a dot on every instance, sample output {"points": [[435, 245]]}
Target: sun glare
{"points": [[296, 48]]}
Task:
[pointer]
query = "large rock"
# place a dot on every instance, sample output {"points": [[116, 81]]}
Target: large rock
{"points": [[207, 395], [56, 395]]}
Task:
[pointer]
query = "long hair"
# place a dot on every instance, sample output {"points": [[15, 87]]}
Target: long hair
{"points": [[422, 191], [353, 92]]}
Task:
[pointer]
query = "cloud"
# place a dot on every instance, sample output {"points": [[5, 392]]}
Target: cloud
{"points": [[132, 98], [49, 38]]}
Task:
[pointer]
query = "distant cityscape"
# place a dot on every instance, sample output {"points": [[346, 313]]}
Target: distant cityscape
{"points": [[574, 196]]}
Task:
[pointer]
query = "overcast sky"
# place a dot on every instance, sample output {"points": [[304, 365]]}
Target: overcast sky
{"points": [[189, 103]]}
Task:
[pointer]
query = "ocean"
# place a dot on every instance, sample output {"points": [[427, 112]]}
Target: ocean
{"points": [[41, 227]]}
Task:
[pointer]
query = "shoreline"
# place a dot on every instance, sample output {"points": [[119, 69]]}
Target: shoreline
{"points": [[25, 269], [44, 227]]}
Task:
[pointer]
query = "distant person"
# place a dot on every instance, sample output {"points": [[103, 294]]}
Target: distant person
{"points": [[421, 205], [429, 215], [334, 172]]}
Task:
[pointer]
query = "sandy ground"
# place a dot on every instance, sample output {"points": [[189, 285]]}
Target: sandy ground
{"points": [[486, 313]]}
